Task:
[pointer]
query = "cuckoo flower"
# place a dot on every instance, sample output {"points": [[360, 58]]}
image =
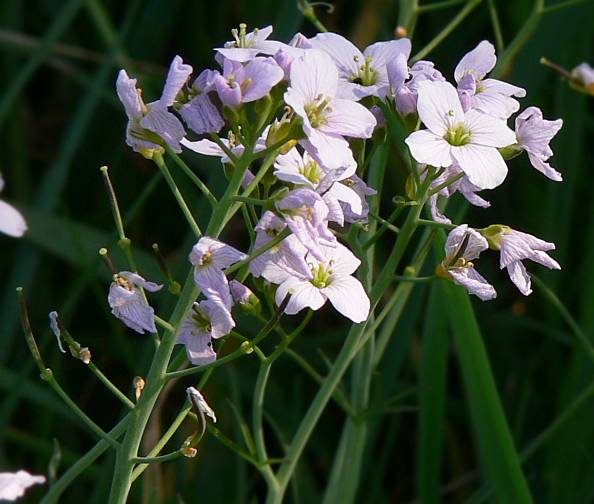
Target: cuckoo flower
{"points": [[128, 302], [277, 263], [452, 136], [246, 46], [330, 279], [516, 246], [306, 214], [364, 73], [210, 257], [534, 134], [243, 84], [462, 246], [326, 119], [198, 110], [210, 148], [149, 124], [491, 96], [198, 401], [207, 319], [11, 221], [13, 485], [584, 74]]}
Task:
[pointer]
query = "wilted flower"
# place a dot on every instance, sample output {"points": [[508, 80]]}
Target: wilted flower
{"points": [[462, 246], [149, 123], [198, 111], [534, 134], [207, 319], [584, 74], [453, 136], [243, 84], [330, 279], [247, 46], [210, 257], [13, 485], [326, 119], [55, 327], [128, 302], [198, 401], [12, 222], [491, 96], [364, 73]]}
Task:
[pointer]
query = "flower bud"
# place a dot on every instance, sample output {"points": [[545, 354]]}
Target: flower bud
{"points": [[511, 151], [243, 296]]}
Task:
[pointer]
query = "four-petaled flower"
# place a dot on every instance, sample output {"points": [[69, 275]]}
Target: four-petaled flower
{"points": [[13, 485]]}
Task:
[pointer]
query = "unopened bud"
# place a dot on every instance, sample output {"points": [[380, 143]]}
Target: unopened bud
{"points": [[138, 384], [247, 347], [511, 151], [84, 355], [400, 32], [245, 298]]}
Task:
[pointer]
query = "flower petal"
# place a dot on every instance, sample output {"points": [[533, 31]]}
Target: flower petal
{"points": [[12, 222], [303, 295], [484, 166], [349, 298], [478, 62], [429, 148], [439, 106], [348, 118], [487, 130]]}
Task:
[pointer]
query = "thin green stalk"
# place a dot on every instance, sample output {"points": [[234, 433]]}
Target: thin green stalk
{"points": [[438, 5], [446, 183], [159, 458], [259, 251], [160, 162], [307, 9], [561, 5], [193, 177], [496, 25], [110, 386], [449, 28], [435, 224]]}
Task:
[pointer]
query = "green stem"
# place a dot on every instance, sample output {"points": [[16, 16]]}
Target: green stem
{"points": [[450, 27], [435, 224], [562, 5], [496, 25], [446, 183], [112, 388], [160, 162], [438, 5], [159, 458], [193, 177]]}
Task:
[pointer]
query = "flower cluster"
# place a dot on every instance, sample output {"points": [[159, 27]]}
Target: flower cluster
{"points": [[306, 103]]}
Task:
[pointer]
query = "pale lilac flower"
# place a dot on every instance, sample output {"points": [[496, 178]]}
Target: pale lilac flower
{"points": [[239, 292], [247, 46], [210, 257], [306, 214], [13, 485], [280, 261], [12, 222], [534, 134], [491, 96], [330, 279], [198, 401], [151, 122], [462, 246], [210, 148], [243, 84], [207, 320], [364, 73], [469, 139], [517, 246], [128, 302], [326, 119], [199, 112], [584, 74]]}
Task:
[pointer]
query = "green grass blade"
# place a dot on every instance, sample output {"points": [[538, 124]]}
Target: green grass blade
{"points": [[499, 460]]}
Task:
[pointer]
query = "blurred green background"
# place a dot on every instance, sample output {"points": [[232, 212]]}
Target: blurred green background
{"points": [[60, 121]]}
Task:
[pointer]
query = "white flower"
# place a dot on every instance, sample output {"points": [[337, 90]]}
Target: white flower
{"points": [[11, 221], [330, 280], [13, 485], [469, 139], [198, 401]]}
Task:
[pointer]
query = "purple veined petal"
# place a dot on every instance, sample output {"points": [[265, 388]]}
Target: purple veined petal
{"points": [[501, 87], [206, 147], [177, 77], [406, 101], [128, 95], [345, 194], [239, 54], [312, 75], [349, 298], [335, 212], [199, 350], [479, 62], [483, 165], [12, 222], [302, 295], [165, 124], [520, 277], [436, 213], [468, 190], [397, 69], [213, 283], [14, 485], [203, 83], [487, 130], [384, 52], [340, 259], [535, 133], [138, 281], [348, 118], [494, 104], [201, 115], [545, 168], [331, 151], [516, 246], [135, 137], [229, 93], [473, 282], [475, 243], [438, 106], [429, 148], [220, 317], [342, 52], [131, 308], [300, 41], [263, 75]]}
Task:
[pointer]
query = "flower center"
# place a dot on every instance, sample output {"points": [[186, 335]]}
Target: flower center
{"points": [[122, 282], [311, 172], [206, 259], [202, 321], [316, 111], [458, 135], [366, 74], [240, 36], [322, 276]]}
